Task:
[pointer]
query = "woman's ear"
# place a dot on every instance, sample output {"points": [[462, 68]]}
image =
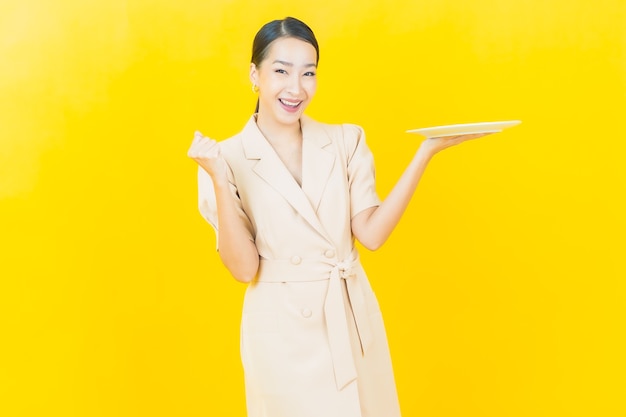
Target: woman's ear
{"points": [[254, 74]]}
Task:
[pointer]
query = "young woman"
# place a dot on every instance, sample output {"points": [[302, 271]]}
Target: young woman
{"points": [[288, 197]]}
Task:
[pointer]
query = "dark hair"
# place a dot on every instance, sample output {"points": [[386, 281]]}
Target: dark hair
{"points": [[288, 27]]}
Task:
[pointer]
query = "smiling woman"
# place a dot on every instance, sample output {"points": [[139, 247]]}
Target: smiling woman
{"points": [[286, 29], [503, 291], [288, 197]]}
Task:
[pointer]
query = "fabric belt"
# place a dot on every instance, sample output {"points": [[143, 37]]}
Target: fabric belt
{"points": [[303, 270]]}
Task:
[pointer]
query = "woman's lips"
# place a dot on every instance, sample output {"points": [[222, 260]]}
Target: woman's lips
{"points": [[290, 106]]}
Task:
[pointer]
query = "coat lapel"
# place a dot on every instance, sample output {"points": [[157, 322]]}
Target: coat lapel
{"points": [[272, 170], [317, 160]]}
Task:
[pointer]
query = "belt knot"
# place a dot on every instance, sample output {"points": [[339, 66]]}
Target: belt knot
{"points": [[343, 269]]}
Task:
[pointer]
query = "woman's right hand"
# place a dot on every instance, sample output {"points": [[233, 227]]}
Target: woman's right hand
{"points": [[206, 152]]}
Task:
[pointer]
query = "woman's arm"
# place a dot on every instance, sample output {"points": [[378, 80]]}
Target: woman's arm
{"points": [[238, 253], [373, 226]]}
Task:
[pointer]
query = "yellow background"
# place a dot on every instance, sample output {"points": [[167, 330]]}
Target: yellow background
{"points": [[502, 289]]}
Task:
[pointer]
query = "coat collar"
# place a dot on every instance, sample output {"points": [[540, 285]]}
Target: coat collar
{"points": [[318, 160], [254, 143]]}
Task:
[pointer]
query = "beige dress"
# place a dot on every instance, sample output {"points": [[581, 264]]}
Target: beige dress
{"points": [[313, 341]]}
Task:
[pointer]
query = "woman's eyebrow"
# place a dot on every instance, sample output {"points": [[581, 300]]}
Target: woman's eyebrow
{"points": [[289, 64]]}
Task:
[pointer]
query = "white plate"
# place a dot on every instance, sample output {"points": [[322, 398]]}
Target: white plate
{"points": [[464, 129]]}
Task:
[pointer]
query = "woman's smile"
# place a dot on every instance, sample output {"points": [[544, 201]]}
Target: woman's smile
{"points": [[287, 81], [290, 105]]}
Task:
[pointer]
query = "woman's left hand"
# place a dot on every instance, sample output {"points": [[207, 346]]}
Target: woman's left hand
{"points": [[431, 146]]}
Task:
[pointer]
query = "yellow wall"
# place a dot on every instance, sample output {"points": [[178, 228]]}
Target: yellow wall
{"points": [[503, 289]]}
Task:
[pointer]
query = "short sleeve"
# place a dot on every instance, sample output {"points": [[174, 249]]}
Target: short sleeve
{"points": [[208, 205], [361, 171]]}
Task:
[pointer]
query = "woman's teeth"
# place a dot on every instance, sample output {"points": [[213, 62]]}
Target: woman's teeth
{"points": [[290, 103]]}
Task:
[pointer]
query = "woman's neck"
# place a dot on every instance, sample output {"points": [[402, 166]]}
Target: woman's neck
{"points": [[277, 133]]}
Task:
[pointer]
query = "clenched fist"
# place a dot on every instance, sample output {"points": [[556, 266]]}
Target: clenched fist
{"points": [[206, 152]]}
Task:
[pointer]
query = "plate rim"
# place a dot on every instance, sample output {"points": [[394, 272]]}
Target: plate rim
{"points": [[478, 127]]}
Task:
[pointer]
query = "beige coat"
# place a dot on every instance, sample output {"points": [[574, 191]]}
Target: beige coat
{"points": [[313, 342]]}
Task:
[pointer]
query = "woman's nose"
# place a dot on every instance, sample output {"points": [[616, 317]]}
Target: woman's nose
{"points": [[294, 85]]}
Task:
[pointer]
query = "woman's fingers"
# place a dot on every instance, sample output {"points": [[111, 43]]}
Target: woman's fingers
{"points": [[206, 152], [437, 144], [197, 137], [203, 147], [462, 138], [448, 141]]}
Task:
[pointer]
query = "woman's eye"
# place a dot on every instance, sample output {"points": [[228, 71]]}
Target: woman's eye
{"points": [[309, 74], [280, 71]]}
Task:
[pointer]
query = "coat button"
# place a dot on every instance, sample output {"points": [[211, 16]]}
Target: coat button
{"points": [[296, 260], [306, 313], [329, 253]]}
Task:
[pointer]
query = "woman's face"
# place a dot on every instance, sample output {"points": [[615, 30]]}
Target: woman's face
{"points": [[286, 80]]}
